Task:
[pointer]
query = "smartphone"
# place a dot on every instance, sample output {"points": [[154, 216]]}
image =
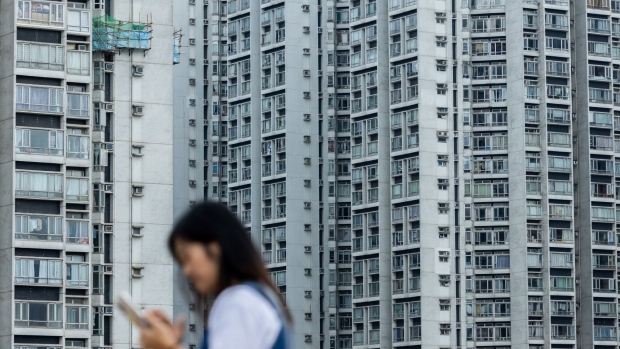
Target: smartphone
{"points": [[125, 304]]}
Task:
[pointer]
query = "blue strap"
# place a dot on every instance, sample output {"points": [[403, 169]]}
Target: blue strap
{"points": [[283, 339]]}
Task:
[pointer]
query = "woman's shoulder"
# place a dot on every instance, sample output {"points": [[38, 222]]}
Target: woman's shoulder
{"points": [[244, 297], [240, 313]]}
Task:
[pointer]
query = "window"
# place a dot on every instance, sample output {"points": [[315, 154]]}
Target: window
{"points": [[36, 141], [43, 99], [77, 317], [38, 227], [38, 184], [77, 145], [77, 232], [40, 56], [30, 12], [38, 271], [77, 271], [77, 189], [78, 62], [38, 314]]}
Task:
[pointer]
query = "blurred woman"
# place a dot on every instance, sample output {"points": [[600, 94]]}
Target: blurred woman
{"points": [[217, 256]]}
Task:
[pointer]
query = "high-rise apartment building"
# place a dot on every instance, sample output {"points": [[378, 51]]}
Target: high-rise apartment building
{"points": [[86, 168], [417, 173]]}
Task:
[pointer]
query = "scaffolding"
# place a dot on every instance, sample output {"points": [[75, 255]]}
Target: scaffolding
{"points": [[176, 46], [111, 35]]}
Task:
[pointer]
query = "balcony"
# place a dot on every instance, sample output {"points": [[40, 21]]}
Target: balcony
{"points": [[605, 333], [415, 333], [38, 56], [281, 256], [246, 216], [280, 167], [38, 271], [38, 185], [78, 105], [246, 174], [373, 289], [414, 284], [33, 314], [38, 227], [267, 257], [41, 13], [39, 141], [39, 99], [373, 242], [280, 212]]}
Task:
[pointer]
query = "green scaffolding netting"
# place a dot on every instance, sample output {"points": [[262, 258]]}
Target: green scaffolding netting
{"points": [[110, 34]]}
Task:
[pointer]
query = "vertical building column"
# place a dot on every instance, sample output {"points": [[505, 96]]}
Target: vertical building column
{"points": [[517, 179]]}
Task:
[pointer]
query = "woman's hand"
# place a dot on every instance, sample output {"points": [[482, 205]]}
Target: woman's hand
{"points": [[162, 333]]}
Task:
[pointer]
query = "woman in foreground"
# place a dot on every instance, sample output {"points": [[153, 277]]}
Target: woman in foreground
{"points": [[219, 259]]}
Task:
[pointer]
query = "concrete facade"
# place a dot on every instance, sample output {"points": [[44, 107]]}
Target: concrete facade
{"points": [[453, 204], [86, 170]]}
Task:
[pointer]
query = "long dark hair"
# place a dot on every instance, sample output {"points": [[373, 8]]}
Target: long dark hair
{"points": [[209, 222]]}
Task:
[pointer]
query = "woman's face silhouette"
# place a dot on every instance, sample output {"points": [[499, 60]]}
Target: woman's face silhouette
{"points": [[201, 264]]}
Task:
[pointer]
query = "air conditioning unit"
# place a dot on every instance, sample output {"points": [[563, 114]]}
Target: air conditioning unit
{"points": [[192, 102], [307, 271], [192, 183], [136, 272], [306, 139], [109, 106], [108, 187], [319, 29], [108, 228], [138, 190], [138, 70], [306, 30], [108, 67], [108, 310], [205, 61], [306, 51], [308, 316], [321, 226], [137, 110], [307, 161], [192, 306], [442, 134], [192, 163], [306, 94], [192, 2], [192, 61], [307, 227], [192, 122], [192, 203], [192, 82], [192, 327], [107, 269], [308, 294], [306, 73], [306, 117], [82, 47], [205, 21], [192, 41], [307, 249], [307, 183], [305, 8], [192, 142], [192, 21], [109, 146], [574, 162], [307, 205]]}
